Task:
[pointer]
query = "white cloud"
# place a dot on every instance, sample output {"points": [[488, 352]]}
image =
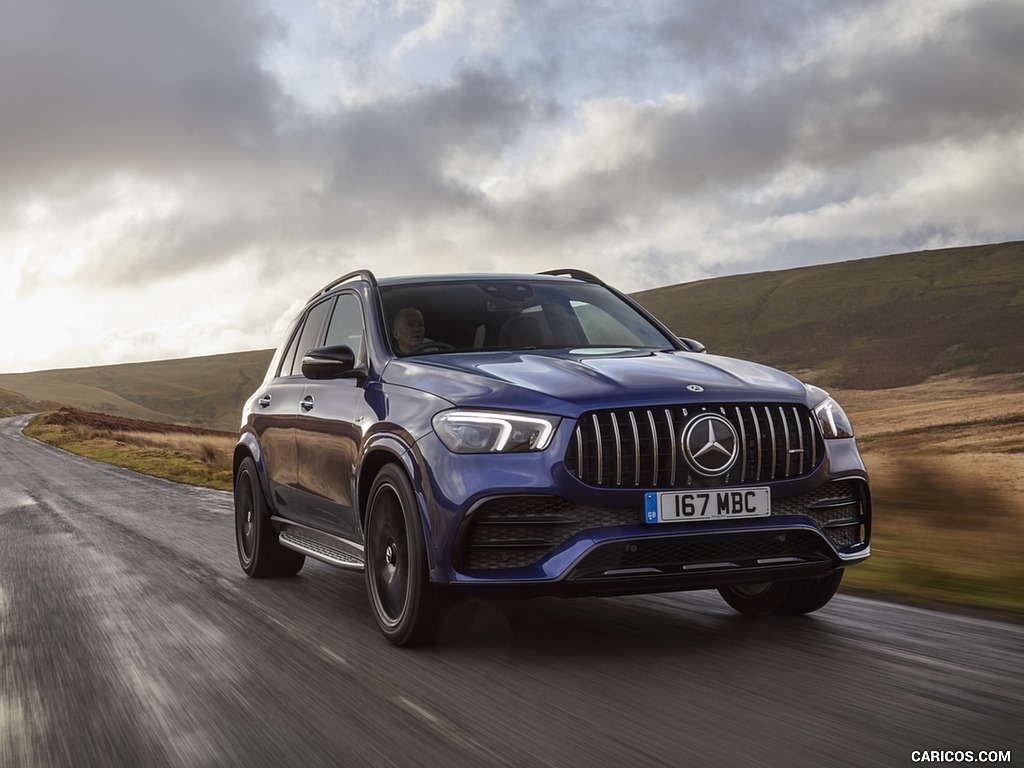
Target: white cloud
{"points": [[483, 25], [179, 176]]}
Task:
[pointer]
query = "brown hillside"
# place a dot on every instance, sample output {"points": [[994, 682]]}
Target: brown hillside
{"points": [[198, 391], [876, 323]]}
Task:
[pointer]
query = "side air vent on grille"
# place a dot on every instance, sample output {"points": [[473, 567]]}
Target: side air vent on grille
{"points": [[641, 447]]}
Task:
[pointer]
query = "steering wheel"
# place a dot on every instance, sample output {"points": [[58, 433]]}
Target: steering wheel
{"points": [[440, 346]]}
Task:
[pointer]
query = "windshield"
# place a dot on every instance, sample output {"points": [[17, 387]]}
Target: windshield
{"points": [[489, 315]]}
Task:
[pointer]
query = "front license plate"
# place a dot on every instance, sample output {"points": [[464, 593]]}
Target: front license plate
{"points": [[710, 504]]}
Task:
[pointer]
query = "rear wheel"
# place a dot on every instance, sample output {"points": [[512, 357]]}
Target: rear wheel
{"points": [[755, 600], [784, 597], [808, 595], [405, 604], [259, 552]]}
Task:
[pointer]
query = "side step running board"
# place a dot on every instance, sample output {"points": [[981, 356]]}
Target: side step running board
{"points": [[350, 557]]}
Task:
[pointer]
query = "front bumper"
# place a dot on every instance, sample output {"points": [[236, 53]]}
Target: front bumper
{"points": [[522, 523], [805, 536]]}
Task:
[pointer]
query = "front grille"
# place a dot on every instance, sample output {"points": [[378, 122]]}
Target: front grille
{"points": [[640, 447], [519, 531]]}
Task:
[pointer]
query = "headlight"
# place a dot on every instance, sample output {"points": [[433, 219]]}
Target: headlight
{"points": [[833, 419], [494, 432]]}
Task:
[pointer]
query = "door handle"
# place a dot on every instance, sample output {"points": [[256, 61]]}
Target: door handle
{"points": [[307, 403], [264, 402]]}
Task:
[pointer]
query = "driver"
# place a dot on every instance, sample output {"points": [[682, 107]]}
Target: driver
{"points": [[408, 329]]}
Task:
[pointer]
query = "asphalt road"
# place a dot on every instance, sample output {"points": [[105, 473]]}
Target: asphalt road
{"points": [[130, 637]]}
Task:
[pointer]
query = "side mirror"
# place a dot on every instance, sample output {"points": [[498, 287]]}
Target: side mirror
{"points": [[693, 345], [335, 362]]}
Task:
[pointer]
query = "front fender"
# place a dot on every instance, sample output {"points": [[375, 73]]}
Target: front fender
{"points": [[384, 448]]}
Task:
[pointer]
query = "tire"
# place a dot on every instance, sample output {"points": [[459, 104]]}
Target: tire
{"points": [[259, 552], [755, 600], [809, 595], [407, 607]]}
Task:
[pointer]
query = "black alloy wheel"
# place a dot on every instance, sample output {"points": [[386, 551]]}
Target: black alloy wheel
{"points": [[808, 595], [755, 600], [406, 606], [259, 552], [788, 598]]}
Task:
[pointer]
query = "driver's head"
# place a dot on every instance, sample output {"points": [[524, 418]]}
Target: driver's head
{"points": [[408, 329]]}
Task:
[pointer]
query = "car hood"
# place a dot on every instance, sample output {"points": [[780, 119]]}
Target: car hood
{"points": [[568, 383]]}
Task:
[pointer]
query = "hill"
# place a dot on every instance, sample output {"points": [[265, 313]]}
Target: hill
{"points": [[878, 323], [196, 391]]}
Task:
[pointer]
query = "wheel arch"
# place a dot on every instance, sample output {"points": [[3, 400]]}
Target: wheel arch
{"points": [[248, 447], [391, 450]]}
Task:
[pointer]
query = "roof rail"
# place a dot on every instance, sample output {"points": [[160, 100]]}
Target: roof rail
{"points": [[362, 274], [577, 274]]}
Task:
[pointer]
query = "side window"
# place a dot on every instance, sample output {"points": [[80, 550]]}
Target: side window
{"points": [[346, 325], [307, 337], [289, 355]]}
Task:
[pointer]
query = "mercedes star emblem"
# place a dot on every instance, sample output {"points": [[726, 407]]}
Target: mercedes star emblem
{"points": [[710, 445]]}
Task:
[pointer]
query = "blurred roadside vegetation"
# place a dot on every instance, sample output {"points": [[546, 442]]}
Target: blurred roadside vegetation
{"points": [[942, 538], [946, 461], [196, 457]]}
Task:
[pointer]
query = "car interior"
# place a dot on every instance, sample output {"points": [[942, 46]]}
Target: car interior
{"points": [[492, 316]]}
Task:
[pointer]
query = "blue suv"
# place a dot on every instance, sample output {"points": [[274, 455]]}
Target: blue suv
{"points": [[542, 434]]}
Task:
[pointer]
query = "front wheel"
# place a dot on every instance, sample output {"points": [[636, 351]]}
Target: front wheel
{"points": [[405, 604]]}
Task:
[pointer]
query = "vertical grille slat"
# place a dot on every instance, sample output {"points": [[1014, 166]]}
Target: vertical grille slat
{"points": [[636, 450], [772, 441], [743, 442], [759, 454], [618, 449], [776, 442], [579, 448], [814, 441], [654, 447], [787, 446], [672, 446], [800, 444]]}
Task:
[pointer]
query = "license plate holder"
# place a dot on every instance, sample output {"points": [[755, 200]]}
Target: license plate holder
{"points": [[706, 504]]}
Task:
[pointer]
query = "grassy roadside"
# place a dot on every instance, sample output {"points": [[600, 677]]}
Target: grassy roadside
{"points": [[942, 538], [195, 457], [946, 460]]}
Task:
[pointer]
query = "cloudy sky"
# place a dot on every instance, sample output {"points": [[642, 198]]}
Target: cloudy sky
{"points": [[178, 176]]}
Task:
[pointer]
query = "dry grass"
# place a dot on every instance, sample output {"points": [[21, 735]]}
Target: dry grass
{"points": [[210, 450], [942, 536], [946, 460], [182, 454]]}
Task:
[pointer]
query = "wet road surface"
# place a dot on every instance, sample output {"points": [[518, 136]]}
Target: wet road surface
{"points": [[130, 637]]}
